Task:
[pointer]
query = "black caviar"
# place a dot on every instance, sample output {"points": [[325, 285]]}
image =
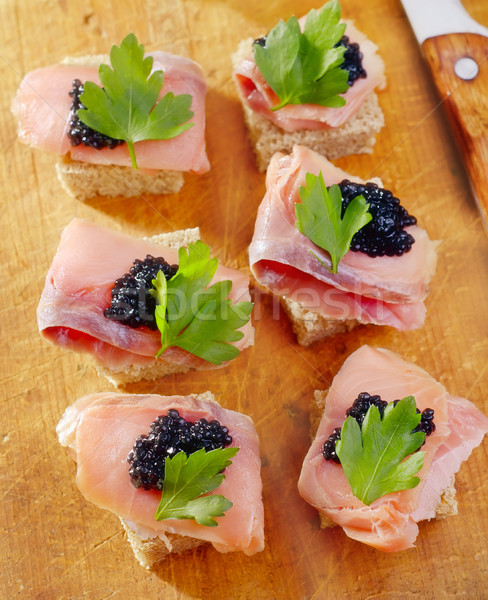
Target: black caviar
{"points": [[168, 435], [78, 132], [358, 411], [260, 41], [329, 449], [131, 303], [361, 406], [384, 235], [353, 60]]}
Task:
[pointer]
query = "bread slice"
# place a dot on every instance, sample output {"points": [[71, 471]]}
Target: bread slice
{"points": [[85, 180], [357, 136], [310, 327], [447, 505], [158, 367], [151, 551]]}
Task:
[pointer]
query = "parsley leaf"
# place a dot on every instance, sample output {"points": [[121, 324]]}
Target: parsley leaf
{"points": [[127, 106], [372, 458], [187, 478], [304, 68], [194, 317], [319, 218]]}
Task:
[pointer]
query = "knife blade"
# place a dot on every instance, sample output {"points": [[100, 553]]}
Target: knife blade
{"points": [[456, 50]]}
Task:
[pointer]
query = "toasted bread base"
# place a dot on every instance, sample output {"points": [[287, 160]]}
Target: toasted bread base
{"points": [[447, 505], [149, 552], [357, 136], [310, 327], [84, 180], [158, 367]]}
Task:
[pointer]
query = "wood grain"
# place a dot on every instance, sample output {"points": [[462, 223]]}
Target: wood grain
{"points": [[465, 101], [56, 545]]}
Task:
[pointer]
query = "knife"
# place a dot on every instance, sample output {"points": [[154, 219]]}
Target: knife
{"points": [[456, 49]]}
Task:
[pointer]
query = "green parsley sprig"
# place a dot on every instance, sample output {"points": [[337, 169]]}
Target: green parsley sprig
{"points": [[195, 317], [373, 457], [127, 106], [187, 479], [304, 68], [319, 218]]}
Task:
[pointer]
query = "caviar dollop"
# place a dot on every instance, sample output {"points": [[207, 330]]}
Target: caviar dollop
{"points": [[78, 132], [168, 435], [358, 411], [384, 235], [353, 60], [131, 303]]}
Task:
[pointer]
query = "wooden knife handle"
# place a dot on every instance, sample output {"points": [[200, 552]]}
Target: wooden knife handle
{"points": [[466, 102]]}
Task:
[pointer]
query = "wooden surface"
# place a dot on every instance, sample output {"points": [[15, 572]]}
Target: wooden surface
{"points": [[465, 102], [54, 544]]}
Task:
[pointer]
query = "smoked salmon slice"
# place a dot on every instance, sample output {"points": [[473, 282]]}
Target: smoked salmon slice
{"points": [[88, 261], [390, 522], [42, 108], [385, 290], [101, 429]]}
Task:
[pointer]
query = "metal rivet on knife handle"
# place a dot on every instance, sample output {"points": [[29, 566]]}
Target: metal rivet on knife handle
{"points": [[466, 68]]}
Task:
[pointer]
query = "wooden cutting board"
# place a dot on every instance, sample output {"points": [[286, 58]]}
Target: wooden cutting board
{"points": [[53, 543]]}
